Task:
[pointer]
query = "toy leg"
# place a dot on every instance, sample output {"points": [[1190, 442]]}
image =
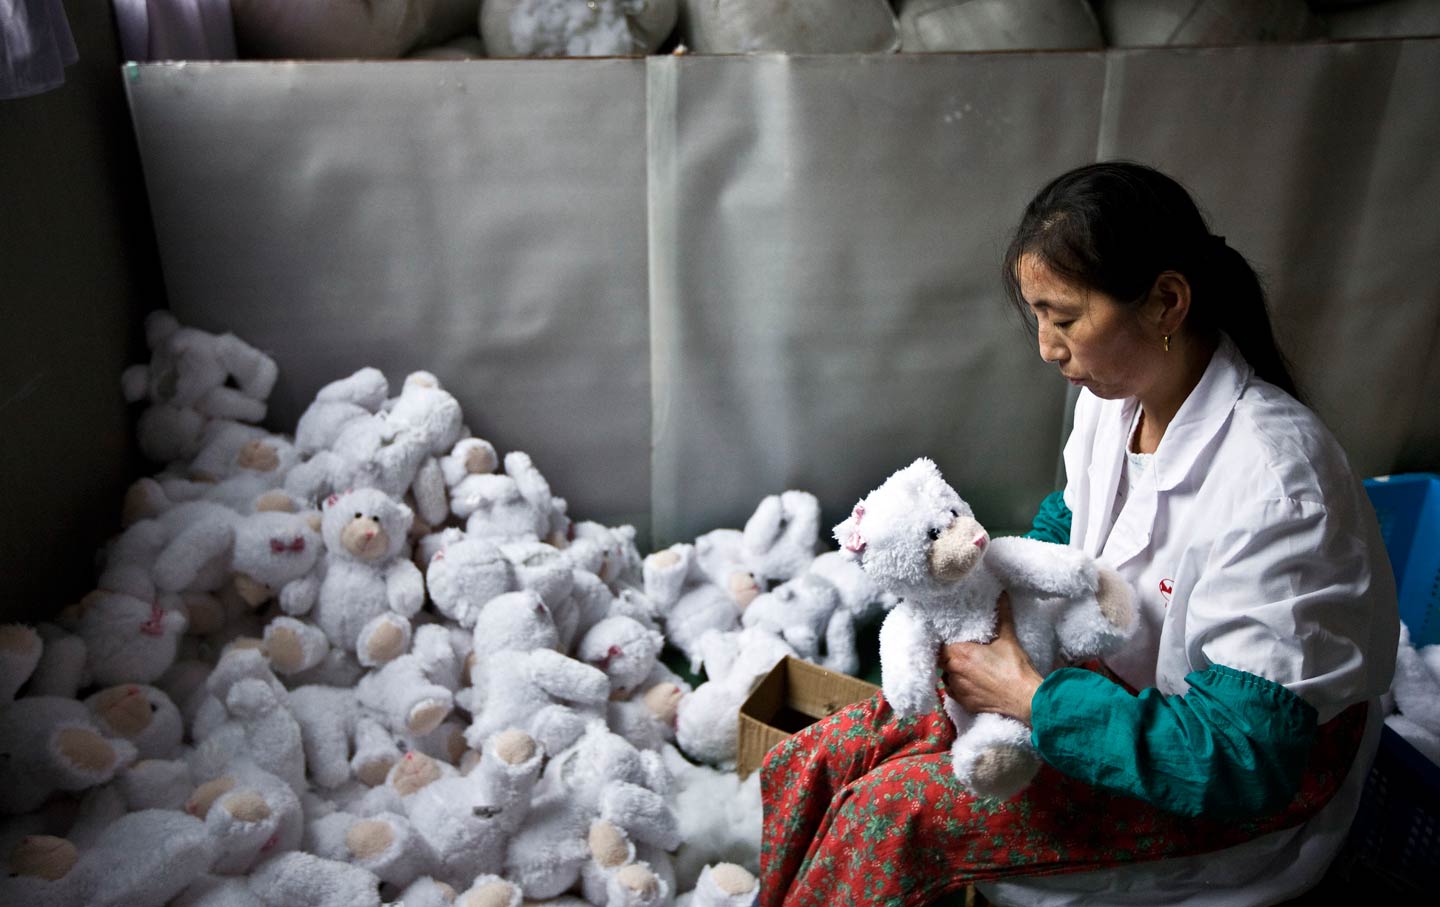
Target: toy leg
{"points": [[995, 758], [375, 752], [556, 727], [294, 645], [254, 371], [383, 639]]}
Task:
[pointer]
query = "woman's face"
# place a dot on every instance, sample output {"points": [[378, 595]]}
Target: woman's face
{"points": [[1096, 342]]}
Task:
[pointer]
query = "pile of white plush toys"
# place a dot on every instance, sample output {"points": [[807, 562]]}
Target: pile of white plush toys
{"points": [[373, 662], [1413, 704]]}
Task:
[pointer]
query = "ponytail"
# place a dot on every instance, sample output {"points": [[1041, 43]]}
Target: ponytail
{"points": [[1114, 227]]}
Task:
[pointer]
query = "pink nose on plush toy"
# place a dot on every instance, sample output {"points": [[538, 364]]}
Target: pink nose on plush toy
{"points": [[155, 625], [980, 542]]}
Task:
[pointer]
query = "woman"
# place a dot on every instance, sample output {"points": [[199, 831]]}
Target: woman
{"points": [[1219, 758]]}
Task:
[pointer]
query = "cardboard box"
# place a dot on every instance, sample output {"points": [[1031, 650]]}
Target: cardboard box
{"points": [[794, 695]]}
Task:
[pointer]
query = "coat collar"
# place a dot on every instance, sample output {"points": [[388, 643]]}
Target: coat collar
{"points": [[1202, 415]]}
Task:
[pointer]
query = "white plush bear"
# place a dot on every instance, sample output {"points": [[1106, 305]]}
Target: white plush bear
{"points": [[858, 593], [127, 640], [462, 576], [1416, 691], [807, 613], [143, 715], [242, 480], [628, 653], [143, 859], [249, 718], [370, 590], [336, 405], [504, 507], [300, 878], [414, 693], [725, 885], [427, 411], [194, 377], [780, 538], [250, 814], [706, 724], [341, 738], [918, 539], [49, 743], [559, 28], [520, 680], [467, 821], [600, 790], [609, 552], [720, 556], [648, 719]]}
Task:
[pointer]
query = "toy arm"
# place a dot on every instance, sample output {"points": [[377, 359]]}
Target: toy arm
{"points": [[1090, 626], [840, 642], [431, 503], [300, 595], [567, 679], [642, 814], [185, 556], [312, 480], [254, 371], [1042, 568], [405, 588], [908, 649]]}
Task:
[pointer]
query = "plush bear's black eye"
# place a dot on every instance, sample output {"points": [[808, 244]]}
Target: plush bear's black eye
{"points": [[954, 515], [357, 516], [486, 812], [154, 708], [934, 534]]}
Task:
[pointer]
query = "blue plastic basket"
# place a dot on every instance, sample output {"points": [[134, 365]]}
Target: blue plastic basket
{"points": [[1408, 507]]}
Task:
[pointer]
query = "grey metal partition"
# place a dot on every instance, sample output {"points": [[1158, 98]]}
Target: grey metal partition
{"points": [[686, 282], [486, 223]]}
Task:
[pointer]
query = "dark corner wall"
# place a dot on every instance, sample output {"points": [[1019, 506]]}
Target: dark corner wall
{"points": [[78, 270]]}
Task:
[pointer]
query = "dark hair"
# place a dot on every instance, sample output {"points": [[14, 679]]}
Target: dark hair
{"points": [[1113, 227]]}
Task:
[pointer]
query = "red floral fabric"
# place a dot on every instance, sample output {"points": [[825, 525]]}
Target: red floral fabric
{"points": [[862, 808]]}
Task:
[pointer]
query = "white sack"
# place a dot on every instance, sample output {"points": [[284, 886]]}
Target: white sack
{"points": [[796, 27], [962, 25]]}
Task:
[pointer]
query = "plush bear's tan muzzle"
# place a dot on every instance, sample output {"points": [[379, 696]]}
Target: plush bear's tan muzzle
{"points": [[958, 549]]}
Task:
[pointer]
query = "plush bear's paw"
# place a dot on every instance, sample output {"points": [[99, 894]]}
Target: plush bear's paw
{"points": [[514, 747], [426, 715], [246, 806], [85, 752], [608, 845], [494, 893], [43, 857], [732, 879], [1112, 594], [384, 643], [369, 838], [999, 772], [640, 881], [372, 770]]}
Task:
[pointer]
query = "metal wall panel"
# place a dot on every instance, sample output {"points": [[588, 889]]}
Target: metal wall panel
{"points": [[825, 291], [1318, 162], [482, 220]]}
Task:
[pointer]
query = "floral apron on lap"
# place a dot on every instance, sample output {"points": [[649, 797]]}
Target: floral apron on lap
{"points": [[863, 808]]}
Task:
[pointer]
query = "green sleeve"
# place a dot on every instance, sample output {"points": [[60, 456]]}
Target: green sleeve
{"points": [[1052, 522], [1234, 745]]}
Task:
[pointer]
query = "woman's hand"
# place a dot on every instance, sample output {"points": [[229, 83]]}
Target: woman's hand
{"points": [[995, 677]]}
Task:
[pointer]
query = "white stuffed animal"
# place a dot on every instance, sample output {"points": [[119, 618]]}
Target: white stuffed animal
{"points": [[462, 576], [127, 640], [336, 405], [143, 859], [143, 715], [468, 821], [915, 537], [248, 718], [559, 28], [250, 814], [520, 680], [341, 738], [427, 411], [509, 506], [192, 379], [780, 538], [1416, 691], [807, 613], [49, 743], [370, 590], [414, 693], [706, 723]]}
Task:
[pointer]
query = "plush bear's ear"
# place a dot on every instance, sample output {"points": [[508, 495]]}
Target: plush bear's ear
{"points": [[848, 534]]}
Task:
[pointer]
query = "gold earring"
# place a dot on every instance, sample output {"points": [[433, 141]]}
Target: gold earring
{"points": [[1167, 343]]}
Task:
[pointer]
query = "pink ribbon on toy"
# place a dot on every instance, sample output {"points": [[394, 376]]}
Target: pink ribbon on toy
{"points": [[279, 547]]}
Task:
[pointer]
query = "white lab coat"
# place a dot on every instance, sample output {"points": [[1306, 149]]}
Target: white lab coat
{"points": [[1250, 544]]}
